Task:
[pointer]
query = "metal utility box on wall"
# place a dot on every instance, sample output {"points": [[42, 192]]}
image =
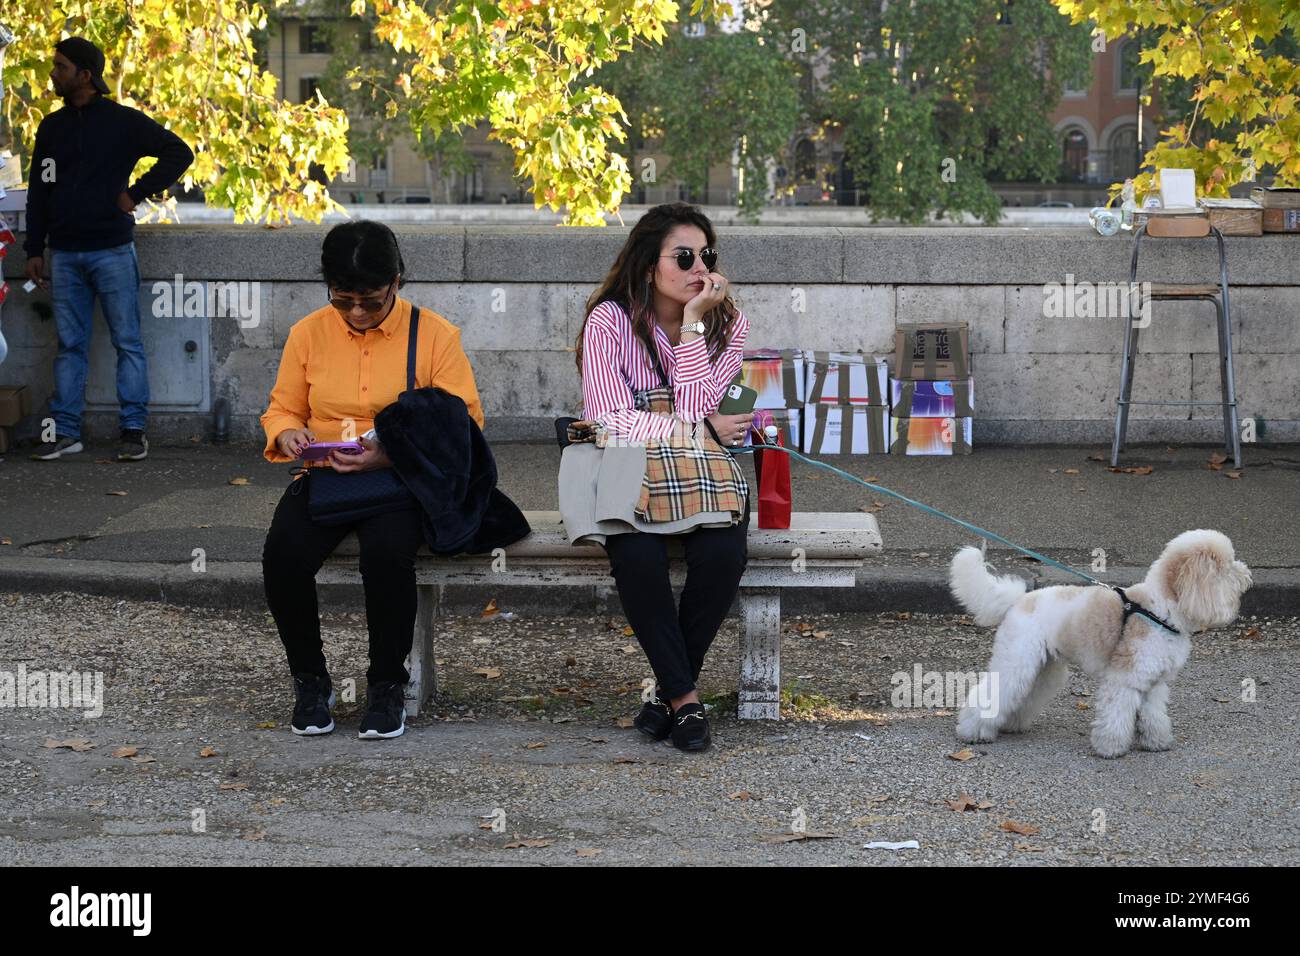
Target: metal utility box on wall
{"points": [[178, 351]]}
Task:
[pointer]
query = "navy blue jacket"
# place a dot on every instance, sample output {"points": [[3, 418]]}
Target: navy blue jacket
{"points": [[442, 457], [72, 202]]}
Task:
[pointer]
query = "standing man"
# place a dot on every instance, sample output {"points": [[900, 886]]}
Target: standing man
{"points": [[78, 198]]}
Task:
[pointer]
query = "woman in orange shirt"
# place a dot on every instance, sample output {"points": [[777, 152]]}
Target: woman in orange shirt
{"points": [[342, 364]]}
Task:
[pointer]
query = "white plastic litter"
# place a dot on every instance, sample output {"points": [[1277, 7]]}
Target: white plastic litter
{"points": [[885, 845]]}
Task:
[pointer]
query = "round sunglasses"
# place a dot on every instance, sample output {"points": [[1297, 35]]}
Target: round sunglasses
{"points": [[366, 305], [686, 258]]}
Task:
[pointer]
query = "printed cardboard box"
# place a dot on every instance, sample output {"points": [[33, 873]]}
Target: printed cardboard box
{"points": [[777, 375], [930, 436], [914, 398], [845, 378], [931, 351], [845, 429]]}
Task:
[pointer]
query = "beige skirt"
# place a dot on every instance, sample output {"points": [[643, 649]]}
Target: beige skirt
{"points": [[599, 491]]}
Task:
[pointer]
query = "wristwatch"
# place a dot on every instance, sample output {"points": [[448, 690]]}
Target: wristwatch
{"points": [[696, 327], [372, 436]]}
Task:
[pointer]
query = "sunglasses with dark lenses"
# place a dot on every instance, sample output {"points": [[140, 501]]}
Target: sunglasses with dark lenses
{"points": [[685, 258], [367, 305]]}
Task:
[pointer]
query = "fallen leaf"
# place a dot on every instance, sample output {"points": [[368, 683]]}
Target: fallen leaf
{"points": [[627, 631], [1218, 458], [821, 633], [1080, 705], [964, 802], [629, 648], [1131, 470], [1252, 634], [1024, 829], [143, 758], [538, 745], [119, 494], [266, 725], [587, 852], [203, 526], [126, 751], [1071, 471], [904, 615], [491, 673], [520, 844], [254, 837], [738, 795], [490, 610], [962, 755], [1233, 474], [78, 744], [238, 481], [625, 722], [208, 752], [234, 786], [1096, 457], [6, 541], [1223, 700]]}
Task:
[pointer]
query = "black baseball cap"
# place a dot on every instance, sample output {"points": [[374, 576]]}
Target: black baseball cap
{"points": [[85, 56]]}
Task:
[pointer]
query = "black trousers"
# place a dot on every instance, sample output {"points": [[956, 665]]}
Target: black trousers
{"points": [[675, 639], [295, 549]]}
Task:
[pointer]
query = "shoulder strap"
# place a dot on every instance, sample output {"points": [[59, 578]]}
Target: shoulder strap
{"points": [[410, 347], [654, 354]]}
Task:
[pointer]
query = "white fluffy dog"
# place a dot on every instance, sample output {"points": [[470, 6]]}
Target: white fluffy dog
{"points": [[1196, 583]]}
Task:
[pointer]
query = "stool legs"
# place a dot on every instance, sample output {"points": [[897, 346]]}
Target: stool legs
{"points": [[1127, 363], [1227, 385]]}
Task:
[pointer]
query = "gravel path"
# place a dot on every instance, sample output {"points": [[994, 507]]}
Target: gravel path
{"points": [[526, 727]]}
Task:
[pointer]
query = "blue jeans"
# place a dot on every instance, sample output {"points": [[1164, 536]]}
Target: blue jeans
{"points": [[76, 278]]}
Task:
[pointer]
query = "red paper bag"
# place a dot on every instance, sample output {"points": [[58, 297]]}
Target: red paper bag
{"points": [[773, 471]]}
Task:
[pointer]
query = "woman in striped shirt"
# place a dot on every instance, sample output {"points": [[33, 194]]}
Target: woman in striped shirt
{"points": [[662, 298]]}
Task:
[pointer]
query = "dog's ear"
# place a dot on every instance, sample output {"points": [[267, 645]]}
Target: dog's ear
{"points": [[1192, 580]]}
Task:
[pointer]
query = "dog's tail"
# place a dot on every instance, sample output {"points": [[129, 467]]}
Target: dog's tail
{"points": [[986, 596]]}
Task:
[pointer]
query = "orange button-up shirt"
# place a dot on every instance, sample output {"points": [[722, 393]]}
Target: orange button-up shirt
{"points": [[332, 375]]}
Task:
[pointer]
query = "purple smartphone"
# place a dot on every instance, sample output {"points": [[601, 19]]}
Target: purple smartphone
{"points": [[321, 449]]}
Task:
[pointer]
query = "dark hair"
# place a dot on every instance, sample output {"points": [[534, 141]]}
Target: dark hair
{"points": [[361, 255], [627, 285]]}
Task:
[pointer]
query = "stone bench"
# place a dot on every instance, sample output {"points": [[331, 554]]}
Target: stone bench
{"points": [[818, 550]]}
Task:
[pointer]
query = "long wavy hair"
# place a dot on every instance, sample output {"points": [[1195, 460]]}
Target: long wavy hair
{"points": [[627, 285]]}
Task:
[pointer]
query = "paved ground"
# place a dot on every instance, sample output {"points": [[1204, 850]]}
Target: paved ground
{"points": [[540, 742]]}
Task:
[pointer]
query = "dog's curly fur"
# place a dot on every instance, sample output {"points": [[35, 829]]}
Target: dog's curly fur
{"points": [[1195, 584]]}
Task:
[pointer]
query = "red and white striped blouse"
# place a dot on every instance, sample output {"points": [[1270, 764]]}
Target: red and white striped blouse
{"points": [[614, 364]]}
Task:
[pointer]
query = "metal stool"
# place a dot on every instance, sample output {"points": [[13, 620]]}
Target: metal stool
{"points": [[1167, 292]]}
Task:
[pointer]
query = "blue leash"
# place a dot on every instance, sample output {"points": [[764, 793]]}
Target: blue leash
{"points": [[1130, 607]]}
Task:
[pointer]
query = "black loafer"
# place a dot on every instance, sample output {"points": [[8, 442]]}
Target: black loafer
{"points": [[655, 719], [691, 728]]}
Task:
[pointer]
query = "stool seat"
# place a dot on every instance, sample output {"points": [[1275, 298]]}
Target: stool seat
{"points": [[1179, 290]]}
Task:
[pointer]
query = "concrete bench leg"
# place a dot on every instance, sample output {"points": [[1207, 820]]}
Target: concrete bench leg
{"points": [[760, 662], [424, 678]]}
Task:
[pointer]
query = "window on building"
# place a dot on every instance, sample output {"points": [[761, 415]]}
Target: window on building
{"points": [[312, 39], [1127, 74], [307, 86], [1123, 153], [1074, 156]]}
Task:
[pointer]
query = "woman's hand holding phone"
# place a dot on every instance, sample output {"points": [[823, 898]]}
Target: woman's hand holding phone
{"points": [[292, 441], [373, 457]]}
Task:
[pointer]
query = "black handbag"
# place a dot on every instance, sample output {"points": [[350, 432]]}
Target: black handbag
{"points": [[335, 498]]}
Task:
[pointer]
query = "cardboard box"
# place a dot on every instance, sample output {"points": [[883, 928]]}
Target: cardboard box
{"points": [[1281, 207], [931, 351], [15, 404], [930, 436], [1235, 217], [920, 399], [845, 378], [777, 376], [788, 420], [845, 429]]}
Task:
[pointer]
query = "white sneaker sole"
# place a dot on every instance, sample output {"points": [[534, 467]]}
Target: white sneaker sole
{"points": [[70, 450], [140, 457], [376, 735]]}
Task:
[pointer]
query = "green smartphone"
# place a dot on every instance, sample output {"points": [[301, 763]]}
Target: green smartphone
{"points": [[738, 399]]}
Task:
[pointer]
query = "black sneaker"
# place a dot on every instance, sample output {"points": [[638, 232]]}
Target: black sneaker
{"points": [[385, 711], [655, 719], [691, 728], [311, 714], [56, 449], [132, 446]]}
